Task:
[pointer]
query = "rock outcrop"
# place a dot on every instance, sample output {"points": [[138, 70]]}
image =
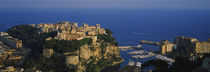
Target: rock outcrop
{"points": [[88, 53]]}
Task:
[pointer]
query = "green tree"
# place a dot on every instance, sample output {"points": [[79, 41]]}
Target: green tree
{"points": [[160, 65]]}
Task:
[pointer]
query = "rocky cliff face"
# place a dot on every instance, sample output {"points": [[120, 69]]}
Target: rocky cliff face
{"points": [[88, 51], [111, 50], [93, 53]]}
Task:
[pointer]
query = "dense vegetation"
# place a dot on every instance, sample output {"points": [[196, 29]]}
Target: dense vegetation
{"points": [[63, 46], [53, 64], [184, 64], [102, 64], [160, 65], [31, 39], [108, 38]]}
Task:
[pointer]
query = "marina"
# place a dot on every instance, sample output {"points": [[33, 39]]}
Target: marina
{"points": [[141, 54], [138, 57]]}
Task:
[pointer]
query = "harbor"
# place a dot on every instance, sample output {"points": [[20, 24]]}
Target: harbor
{"points": [[138, 57]]}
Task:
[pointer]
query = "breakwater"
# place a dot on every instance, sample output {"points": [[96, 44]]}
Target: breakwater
{"points": [[149, 42]]}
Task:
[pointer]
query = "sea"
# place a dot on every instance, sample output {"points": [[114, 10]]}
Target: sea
{"points": [[129, 25]]}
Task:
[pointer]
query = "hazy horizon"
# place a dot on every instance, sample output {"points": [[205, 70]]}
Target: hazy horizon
{"points": [[177, 4]]}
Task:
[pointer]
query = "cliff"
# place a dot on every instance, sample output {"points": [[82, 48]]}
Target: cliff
{"points": [[93, 54]]}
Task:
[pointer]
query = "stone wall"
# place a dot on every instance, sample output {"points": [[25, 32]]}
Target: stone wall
{"points": [[72, 60]]}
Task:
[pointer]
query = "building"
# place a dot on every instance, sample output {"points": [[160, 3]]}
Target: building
{"points": [[203, 47], [190, 45], [166, 47], [186, 44], [13, 42]]}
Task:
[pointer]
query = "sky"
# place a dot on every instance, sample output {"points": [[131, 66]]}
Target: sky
{"points": [[184, 4]]}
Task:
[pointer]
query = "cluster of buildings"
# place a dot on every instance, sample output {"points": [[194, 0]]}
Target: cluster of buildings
{"points": [[70, 31], [192, 45], [8, 48], [11, 51], [10, 54], [186, 45], [6, 38]]}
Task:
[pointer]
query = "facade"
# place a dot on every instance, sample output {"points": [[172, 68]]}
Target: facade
{"points": [[204, 47], [186, 44], [10, 40], [166, 47], [192, 45]]}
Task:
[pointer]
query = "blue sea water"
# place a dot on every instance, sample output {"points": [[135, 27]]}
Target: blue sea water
{"points": [[129, 25]]}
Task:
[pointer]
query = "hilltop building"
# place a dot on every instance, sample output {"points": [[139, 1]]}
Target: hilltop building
{"points": [[70, 31], [6, 38]]}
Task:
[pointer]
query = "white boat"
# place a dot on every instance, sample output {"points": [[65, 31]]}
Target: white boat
{"points": [[142, 56], [138, 64], [164, 58], [136, 52]]}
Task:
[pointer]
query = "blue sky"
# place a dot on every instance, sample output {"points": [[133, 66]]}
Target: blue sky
{"points": [[185, 4]]}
